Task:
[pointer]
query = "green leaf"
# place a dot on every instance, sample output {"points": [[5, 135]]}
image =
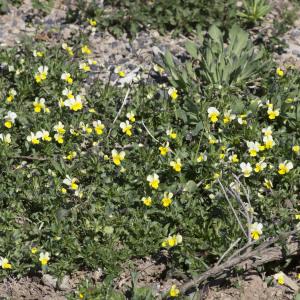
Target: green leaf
{"points": [[190, 186], [238, 106], [216, 34], [108, 230], [190, 70], [197, 129], [181, 115], [168, 58], [57, 166], [192, 49], [61, 214]]}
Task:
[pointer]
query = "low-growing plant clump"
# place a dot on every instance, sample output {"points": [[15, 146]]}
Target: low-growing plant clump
{"points": [[93, 175], [178, 16]]}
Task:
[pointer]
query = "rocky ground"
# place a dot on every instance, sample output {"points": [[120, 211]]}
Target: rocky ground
{"points": [[108, 50], [133, 55]]}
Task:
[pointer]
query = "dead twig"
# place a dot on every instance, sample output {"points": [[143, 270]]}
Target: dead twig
{"points": [[29, 157], [120, 110], [233, 210], [148, 131], [228, 250], [254, 258]]}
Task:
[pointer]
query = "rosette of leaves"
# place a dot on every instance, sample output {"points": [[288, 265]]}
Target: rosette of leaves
{"points": [[218, 59], [254, 10]]}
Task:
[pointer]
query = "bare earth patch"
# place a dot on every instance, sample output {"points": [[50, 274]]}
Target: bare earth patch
{"points": [[249, 287]]}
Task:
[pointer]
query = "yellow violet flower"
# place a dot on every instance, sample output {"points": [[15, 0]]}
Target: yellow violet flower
{"points": [[216, 175], [74, 104], [167, 199], [279, 72], [260, 166], [267, 131], [68, 93], [11, 95], [71, 182], [279, 277], [67, 77], [5, 263], [118, 70], [171, 134], [63, 190], [38, 53], [173, 93], [39, 104], [241, 119], [84, 66], [92, 22], [78, 193], [74, 131], [296, 149], [92, 62], [117, 156], [253, 148], [98, 127], [121, 73], [68, 49], [234, 158], [202, 157], [176, 165], [273, 113], [213, 114], [172, 241], [297, 217], [147, 201], [10, 119], [212, 140], [34, 250], [44, 258], [158, 69], [222, 156], [126, 128], [45, 135], [246, 169], [285, 167], [256, 230], [174, 291], [130, 116], [71, 155], [34, 138], [85, 128], [59, 128], [269, 142], [228, 117], [9, 98], [164, 150], [85, 50], [268, 184], [153, 181], [59, 138], [41, 74], [207, 186], [5, 138]]}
